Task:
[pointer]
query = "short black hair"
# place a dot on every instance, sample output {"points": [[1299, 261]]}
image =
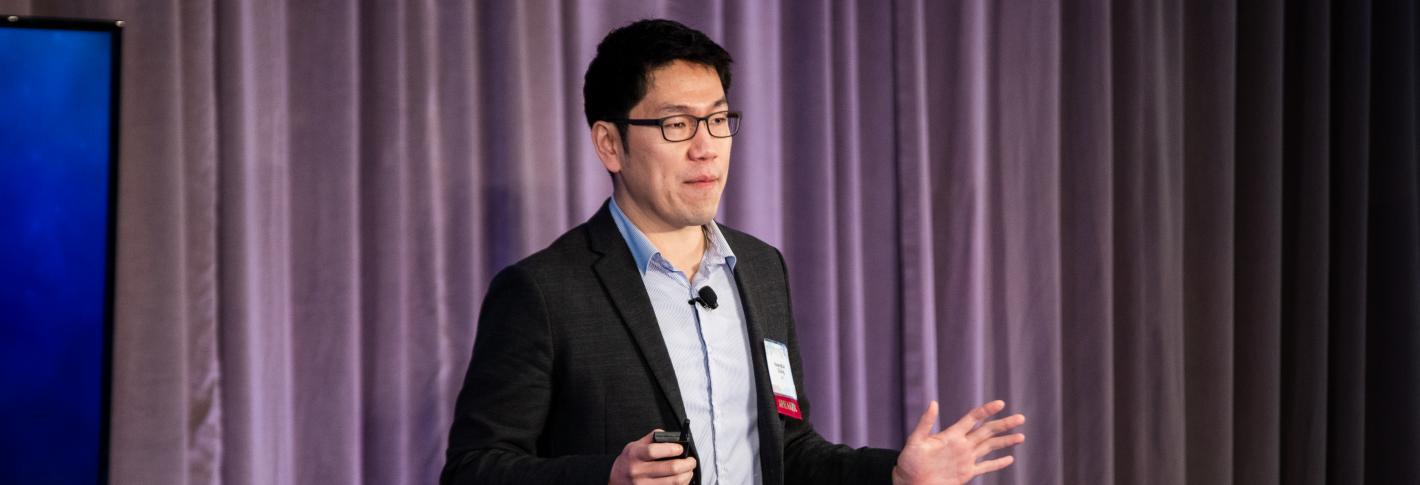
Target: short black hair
{"points": [[616, 79]]}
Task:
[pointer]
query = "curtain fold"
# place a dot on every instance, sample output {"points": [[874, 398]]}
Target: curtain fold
{"points": [[324, 222], [1393, 252], [1087, 286], [1350, 229], [1182, 237]]}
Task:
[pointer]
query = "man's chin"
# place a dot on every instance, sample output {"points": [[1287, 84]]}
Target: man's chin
{"points": [[700, 217]]}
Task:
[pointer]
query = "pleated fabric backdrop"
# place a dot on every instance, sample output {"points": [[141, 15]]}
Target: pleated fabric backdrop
{"points": [[1182, 237]]}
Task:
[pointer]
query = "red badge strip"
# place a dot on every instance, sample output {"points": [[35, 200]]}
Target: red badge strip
{"points": [[788, 406]]}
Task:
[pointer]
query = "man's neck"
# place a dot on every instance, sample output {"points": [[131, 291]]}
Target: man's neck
{"points": [[683, 247]]}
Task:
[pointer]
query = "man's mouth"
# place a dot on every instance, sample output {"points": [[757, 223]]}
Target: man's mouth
{"points": [[702, 182]]}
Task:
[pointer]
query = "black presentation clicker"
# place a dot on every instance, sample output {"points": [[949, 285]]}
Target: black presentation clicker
{"points": [[687, 444]]}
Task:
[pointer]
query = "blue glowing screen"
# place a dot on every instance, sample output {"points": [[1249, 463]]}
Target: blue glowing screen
{"points": [[55, 95]]}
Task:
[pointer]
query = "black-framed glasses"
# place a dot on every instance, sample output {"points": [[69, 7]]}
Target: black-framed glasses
{"points": [[720, 124]]}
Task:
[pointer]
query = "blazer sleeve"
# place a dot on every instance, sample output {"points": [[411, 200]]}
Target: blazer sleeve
{"points": [[808, 457], [507, 393]]}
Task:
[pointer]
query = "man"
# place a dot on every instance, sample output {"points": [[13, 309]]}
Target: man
{"points": [[651, 314]]}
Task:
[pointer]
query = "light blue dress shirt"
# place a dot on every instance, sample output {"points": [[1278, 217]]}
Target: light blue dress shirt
{"points": [[709, 350]]}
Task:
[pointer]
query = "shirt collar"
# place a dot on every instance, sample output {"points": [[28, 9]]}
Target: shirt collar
{"points": [[643, 251]]}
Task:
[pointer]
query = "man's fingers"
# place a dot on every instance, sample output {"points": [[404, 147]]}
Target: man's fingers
{"points": [[683, 466], [645, 450], [672, 468], [977, 415], [644, 461], [995, 427], [669, 469], [656, 451], [639, 450], [999, 442], [924, 424], [989, 466]]}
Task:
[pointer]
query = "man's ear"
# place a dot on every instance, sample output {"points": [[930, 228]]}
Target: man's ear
{"points": [[607, 141]]}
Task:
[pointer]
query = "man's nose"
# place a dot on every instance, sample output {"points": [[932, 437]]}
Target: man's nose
{"points": [[702, 144]]}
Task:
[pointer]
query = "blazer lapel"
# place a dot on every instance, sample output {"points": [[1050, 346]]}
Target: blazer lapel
{"points": [[618, 274], [752, 289]]}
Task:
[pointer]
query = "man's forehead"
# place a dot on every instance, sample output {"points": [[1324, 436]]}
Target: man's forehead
{"points": [[674, 108], [681, 87]]}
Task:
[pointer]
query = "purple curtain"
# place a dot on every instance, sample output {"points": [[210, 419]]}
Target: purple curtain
{"points": [[1182, 237]]}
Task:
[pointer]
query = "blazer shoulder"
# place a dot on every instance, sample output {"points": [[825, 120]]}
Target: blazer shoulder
{"points": [[568, 250]]}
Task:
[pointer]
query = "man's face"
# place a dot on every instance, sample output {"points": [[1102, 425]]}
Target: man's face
{"points": [[672, 185]]}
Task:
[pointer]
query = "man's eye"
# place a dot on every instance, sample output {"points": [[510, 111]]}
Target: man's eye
{"points": [[675, 125], [718, 120]]}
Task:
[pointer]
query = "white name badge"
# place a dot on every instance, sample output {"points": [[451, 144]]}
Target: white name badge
{"points": [[781, 377]]}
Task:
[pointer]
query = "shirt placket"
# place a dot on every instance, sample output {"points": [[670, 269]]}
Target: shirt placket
{"points": [[703, 278]]}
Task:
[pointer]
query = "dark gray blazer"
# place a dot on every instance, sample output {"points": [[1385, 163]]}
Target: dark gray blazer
{"points": [[569, 366]]}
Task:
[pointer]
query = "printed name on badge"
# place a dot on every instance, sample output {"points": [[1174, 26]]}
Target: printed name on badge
{"points": [[781, 377]]}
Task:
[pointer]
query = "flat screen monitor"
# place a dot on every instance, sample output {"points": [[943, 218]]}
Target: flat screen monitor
{"points": [[58, 180]]}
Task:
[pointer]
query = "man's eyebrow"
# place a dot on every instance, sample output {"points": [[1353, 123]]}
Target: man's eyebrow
{"points": [[681, 108]]}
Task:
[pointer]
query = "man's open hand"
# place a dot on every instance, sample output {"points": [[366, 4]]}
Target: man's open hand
{"points": [[952, 456], [638, 463]]}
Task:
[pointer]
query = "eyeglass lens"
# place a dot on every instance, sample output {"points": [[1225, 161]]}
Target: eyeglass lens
{"points": [[682, 127]]}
